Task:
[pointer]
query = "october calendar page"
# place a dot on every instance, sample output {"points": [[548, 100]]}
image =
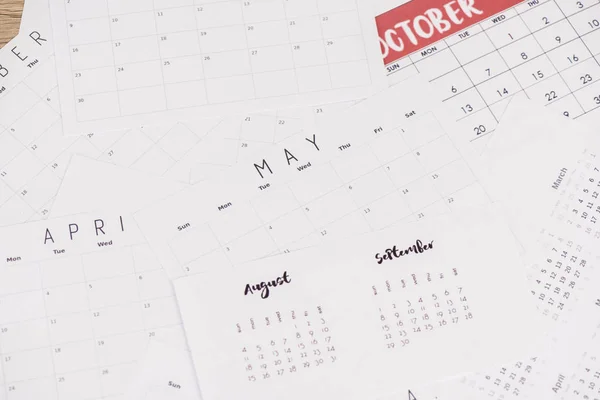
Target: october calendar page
{"points": [[478, 54]]}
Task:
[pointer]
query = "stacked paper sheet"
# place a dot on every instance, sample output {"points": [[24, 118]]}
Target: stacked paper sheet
{"points": [[239, 200]]}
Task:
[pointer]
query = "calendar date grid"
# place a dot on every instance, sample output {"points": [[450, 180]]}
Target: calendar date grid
{"points": [[346, 186], [124, 88], [402, 317], [583, 101], [54, 346], [299, 341]]}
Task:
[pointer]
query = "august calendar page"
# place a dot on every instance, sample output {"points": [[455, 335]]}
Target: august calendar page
{"points": [[391, 310], [125, 64]]}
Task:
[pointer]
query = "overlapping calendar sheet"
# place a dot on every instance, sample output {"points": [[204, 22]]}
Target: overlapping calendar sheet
{"points": [[284, 199], [123, 64]]}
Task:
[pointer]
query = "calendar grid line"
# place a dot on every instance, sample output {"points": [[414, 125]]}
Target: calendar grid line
{"points": [[471, 80], [249, 54], [224, 52], [112, 47], [587, 112], [162, 67], [414, 213], [499, 101], [215, 78], [200, 53], [100, 366], [231, 241], [291, 72], [118, 40], [345, 186], [145, 153], [573, 27], [482, 135], [551, 62], [289, 36], [498, 24], [557, 72], [183, 7], [191, 107], [89, 303], [57, 316], [504, 61], [491, 52], [364, 45], [48, 331]]}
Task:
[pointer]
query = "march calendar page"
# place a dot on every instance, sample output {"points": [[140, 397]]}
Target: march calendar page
{"points": [[387, 311]]}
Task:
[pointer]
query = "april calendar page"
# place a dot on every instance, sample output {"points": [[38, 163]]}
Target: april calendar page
{"points": [[80, 297], [479, 53], [166, 372], [362, 317], [127, 64]]}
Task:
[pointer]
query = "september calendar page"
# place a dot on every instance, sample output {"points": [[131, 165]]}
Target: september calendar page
{"points": [[361, 318], [125, 64]]}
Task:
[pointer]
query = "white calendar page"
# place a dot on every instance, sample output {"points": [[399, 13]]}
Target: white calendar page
{"points": [[577, 366], [80, 298], [90, 185], [166, 372], [34, 154], [484, 52], [125, 65], [387, 159], [362, 310], [526, 156]]}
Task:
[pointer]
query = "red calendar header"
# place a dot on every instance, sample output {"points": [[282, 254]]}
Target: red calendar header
{"points": [[419, 23]]}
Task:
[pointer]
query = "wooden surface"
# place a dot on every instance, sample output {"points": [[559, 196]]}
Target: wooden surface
{"points": [[10, 19]]}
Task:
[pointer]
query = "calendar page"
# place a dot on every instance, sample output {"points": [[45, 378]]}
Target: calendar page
{"points": [[556, 193], [34, 154], [394, 309], [80, 297], [125, 65], [90, 185], [166, 372], [480, 53], [529, 152], [386, 160]]}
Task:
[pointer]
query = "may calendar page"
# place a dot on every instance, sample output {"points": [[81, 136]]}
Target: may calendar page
{"points": [[125, 64], [384, 161], [360, 318]]}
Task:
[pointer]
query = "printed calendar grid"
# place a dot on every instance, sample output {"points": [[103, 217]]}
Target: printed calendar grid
{"points": [[54, 347], [569, 23], [34, 154], [329, 41], [433, 198], [40, 207]]}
